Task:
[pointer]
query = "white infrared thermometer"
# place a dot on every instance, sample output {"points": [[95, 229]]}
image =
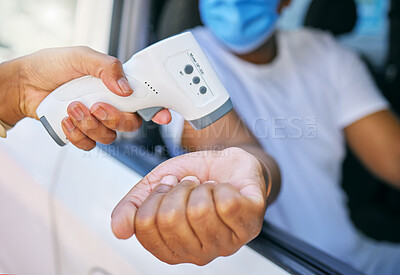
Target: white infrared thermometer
{"points": [[173, 73]]}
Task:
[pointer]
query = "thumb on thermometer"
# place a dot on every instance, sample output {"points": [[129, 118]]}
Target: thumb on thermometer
{"points": [[109, 69]]}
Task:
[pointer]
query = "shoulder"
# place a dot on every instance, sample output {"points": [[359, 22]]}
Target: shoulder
{"points": [[316, 47], [310, 38]]}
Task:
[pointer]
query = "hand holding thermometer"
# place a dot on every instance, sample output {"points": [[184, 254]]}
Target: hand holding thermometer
{"points": [[173, 73]]}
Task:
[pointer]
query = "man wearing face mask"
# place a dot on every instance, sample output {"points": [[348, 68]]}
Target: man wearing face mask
{"points": [[298, 97]]}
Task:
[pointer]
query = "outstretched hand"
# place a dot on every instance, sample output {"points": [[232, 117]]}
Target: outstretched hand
{"points": [[196, 207]]}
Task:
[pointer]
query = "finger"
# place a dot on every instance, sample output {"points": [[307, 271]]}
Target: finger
{"points": [[75, 136], [146, 228], [99, 65], [89, 125], [239, 213], [173, 224], [123, 216], [162, 117], [213, 234], [122, 219], [114, 119]]}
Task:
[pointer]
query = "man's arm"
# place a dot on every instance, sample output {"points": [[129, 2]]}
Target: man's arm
{"points": [[230, 131], [375, 139]]}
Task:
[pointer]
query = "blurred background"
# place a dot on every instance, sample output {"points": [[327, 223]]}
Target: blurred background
{"points": [[29, 25]]}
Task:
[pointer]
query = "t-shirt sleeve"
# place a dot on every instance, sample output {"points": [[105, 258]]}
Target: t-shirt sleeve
{"points": [[357, 94]]}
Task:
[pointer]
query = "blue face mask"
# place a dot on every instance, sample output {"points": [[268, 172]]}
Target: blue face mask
{"points": [[242, 25]]}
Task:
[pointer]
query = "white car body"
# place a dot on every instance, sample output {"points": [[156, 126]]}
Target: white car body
{"points": [[55, 207]]}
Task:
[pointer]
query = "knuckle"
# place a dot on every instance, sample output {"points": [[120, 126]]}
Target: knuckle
{"points": [[256, 230], [129, 124], [109, 137], [82, 48], [229, 206], [198, 213], [114, 63], [190, 183], [108, 141], [172, 261], [113, 122], [84, 143], [79, 51], [168, 219], [86, 146], [228, 251], [234, 150], [136, 123], [162, 189], [151, 177], [89, 125], [202, 261], [143, 222], [42, 52]]}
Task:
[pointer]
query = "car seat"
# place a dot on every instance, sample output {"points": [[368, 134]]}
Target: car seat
{"points": [[376, 209], [177, 16], [374, 206], [337, 17]]}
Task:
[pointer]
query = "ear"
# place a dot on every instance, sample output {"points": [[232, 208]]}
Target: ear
{"points": [[283, 5]]}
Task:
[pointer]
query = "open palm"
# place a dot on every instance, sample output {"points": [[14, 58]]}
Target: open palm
{"points": [[196, 207]]}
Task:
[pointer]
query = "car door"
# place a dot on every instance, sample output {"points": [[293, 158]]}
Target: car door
{"points": [[29, 160]]}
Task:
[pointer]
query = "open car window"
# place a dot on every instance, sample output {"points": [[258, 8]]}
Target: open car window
{"points": [[144, 150]]}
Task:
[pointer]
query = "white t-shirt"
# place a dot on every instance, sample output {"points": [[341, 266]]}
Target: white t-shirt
{"points": [[297, 107]]}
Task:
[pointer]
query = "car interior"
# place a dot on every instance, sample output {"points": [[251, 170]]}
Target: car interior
{"points": [[374, 206]]}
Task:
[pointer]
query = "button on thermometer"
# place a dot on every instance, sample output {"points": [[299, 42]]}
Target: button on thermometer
{"points": [[173, 73]]}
